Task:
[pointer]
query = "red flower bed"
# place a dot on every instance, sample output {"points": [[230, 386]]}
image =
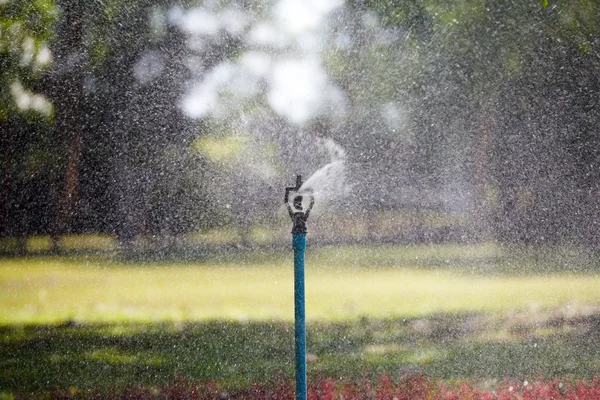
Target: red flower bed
{"points": [[415, 387]]}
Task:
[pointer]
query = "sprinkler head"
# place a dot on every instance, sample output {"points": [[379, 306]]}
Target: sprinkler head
{"points": [[298, 215]]}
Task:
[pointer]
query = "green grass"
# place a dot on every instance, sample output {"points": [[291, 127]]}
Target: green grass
{"points": [[478, 311], [342, 284]]}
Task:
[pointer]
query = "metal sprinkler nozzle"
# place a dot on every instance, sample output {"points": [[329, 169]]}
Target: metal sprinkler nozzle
{"points": [[297, 214]]}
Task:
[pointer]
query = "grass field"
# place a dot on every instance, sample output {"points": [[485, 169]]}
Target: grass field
{"points": [[453, 311]]}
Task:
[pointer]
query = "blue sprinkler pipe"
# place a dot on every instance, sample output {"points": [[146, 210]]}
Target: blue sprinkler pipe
{"points": [[299, 217], [299, 245]]}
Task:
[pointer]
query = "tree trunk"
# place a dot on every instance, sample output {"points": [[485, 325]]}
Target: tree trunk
{"points": [[64, 85]]}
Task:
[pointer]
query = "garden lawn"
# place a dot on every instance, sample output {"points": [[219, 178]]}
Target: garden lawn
{"points": [[479, 312], [341, 283]]}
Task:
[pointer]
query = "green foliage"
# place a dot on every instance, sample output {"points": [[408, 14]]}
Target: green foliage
{"points": [[460, 13], [397, 12], [26, 29], [221, 149], [444, 69]]}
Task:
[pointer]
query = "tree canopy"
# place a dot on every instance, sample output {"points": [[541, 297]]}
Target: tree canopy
{"points": [[153, 117]]}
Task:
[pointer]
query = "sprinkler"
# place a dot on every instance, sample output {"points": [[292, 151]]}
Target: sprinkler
{"points": [[299, 217]]}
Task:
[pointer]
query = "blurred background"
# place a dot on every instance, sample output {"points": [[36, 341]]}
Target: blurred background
{"points": [[453, 149], [168, 126]]}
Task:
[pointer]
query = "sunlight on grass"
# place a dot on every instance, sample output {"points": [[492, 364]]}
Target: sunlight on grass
{"points": [[262, 235], [396, 293], [39, 243], [88, 242], [220, 149], [384, 282], [111, 355], [426, 356]]}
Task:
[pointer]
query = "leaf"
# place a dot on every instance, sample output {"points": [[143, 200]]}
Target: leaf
{"points": [[544, 3]]}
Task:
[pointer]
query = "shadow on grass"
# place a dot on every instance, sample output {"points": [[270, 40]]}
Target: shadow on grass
{"points": [[213, 255], [487, 259], [36, 359], [39, 358]]}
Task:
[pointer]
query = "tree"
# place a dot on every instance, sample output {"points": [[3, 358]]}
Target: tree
{"points": [[26, 27], [494, 98]]}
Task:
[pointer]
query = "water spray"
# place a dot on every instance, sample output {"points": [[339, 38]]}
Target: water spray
{"points": [[299, 216]]}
